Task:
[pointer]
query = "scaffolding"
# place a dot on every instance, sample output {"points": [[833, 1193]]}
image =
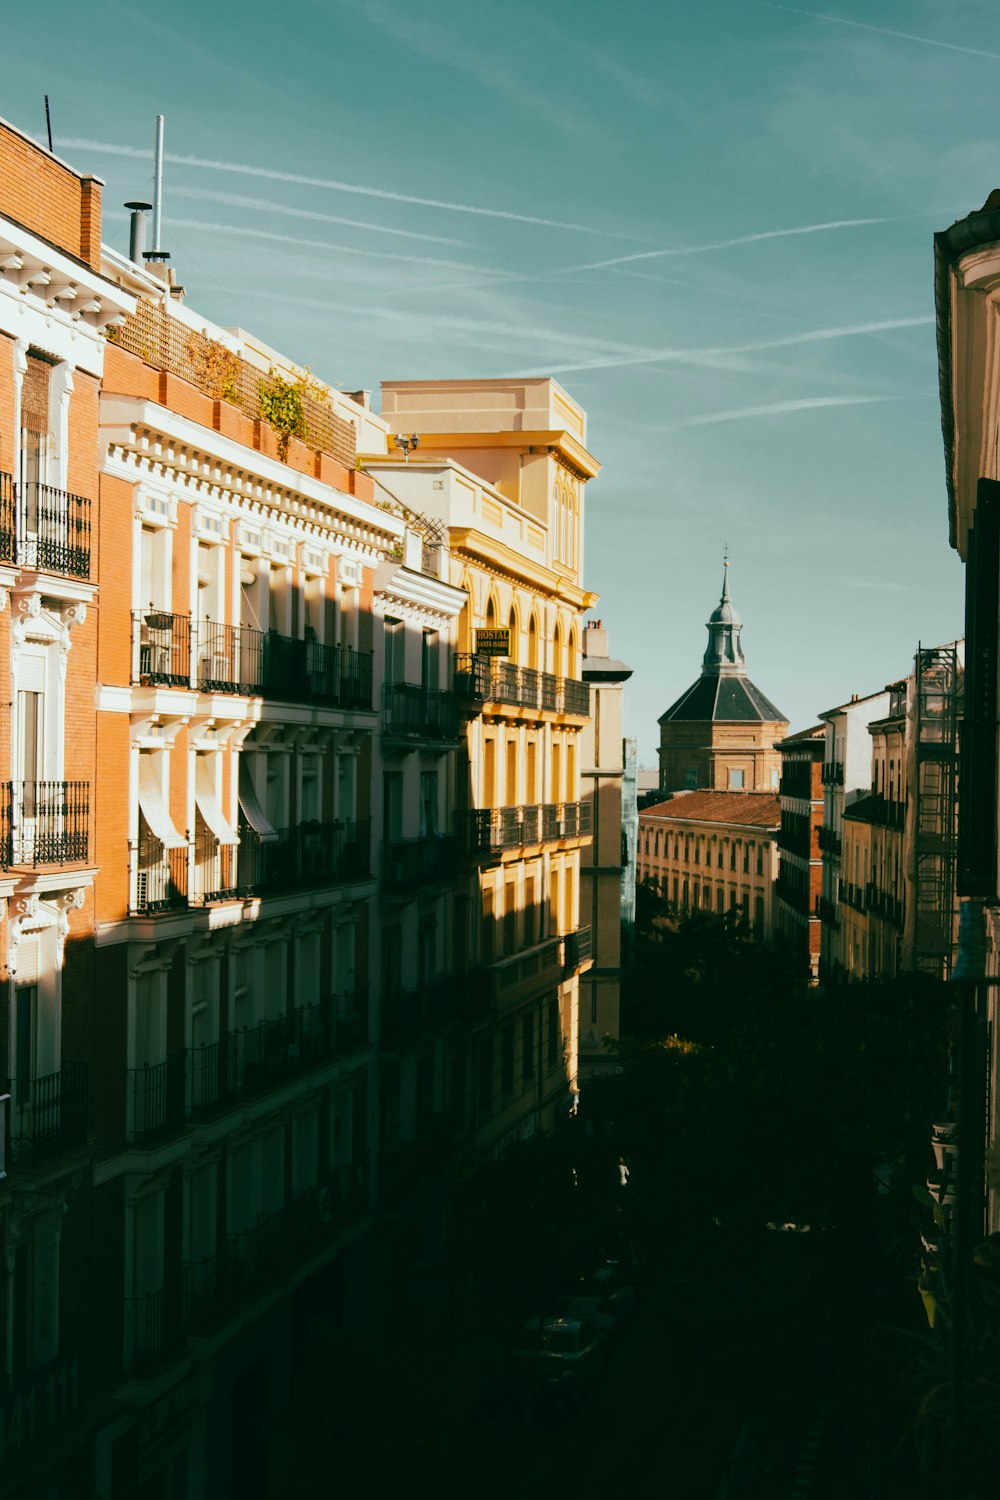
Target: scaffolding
{"points": [[935, 823]]}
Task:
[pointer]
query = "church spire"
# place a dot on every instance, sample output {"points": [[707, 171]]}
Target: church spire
{"points": [[724, 655]]}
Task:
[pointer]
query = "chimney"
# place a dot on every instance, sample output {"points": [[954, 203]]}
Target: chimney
{"points": [[137, 231], [595, 639]]}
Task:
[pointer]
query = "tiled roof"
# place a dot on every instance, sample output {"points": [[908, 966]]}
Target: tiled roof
{"points": [[729, 700], [760, 809]]}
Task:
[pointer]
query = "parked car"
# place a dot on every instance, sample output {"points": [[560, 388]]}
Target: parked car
{"points": [[605, 1294], [559, 1357]]}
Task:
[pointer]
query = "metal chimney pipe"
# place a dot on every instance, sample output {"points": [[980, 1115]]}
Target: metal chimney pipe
{"points": [[158, 182], [137, 231]]}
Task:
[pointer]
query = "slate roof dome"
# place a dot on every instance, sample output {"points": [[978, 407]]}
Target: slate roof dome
{"points": [[723, 692]]}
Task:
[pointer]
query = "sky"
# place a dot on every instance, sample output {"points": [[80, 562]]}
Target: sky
{"points": [[713, 224]]}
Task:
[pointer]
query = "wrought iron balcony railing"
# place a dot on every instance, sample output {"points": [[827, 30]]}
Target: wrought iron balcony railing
{"points": [[491, 830], [480, 679], [577, 949], [175, 650], [833, 773], [161, 876], [214, 872], [408, 864], [52, 530], [156, 1099], [416, 714], [49, 1115], [44, 823], [311, 854], [7, 518]]}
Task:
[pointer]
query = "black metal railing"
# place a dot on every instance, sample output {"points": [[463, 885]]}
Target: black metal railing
{"points": [[156, 1099], [796, 780], [161, 876], [45, 822], [490, 830], [7, 518], [829, 840], [479, 679], [49, 1115], [242, 659], [833, 773], [890, 812], [161, 647], [53, 530], [252, 1059], [829, 912], [311, 854], [884, 904], [215, 872], [853, 895], [408, 864], [414, 713], [577, 948]]}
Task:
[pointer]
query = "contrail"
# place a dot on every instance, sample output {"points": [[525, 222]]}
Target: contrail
{"points": [[776, 408], [743, 239], [236, 200], [698, 356], [78, 143], [239, 232], [905, 36]]}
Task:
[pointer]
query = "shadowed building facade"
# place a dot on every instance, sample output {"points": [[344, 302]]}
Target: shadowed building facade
{"points": [[721, 733]]}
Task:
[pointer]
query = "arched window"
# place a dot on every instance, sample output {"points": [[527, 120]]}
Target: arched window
{"points": [[557, 651], [572, 669], [514, 633], [533, 641]]}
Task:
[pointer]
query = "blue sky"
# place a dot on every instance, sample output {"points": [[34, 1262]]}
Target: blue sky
{"points": [[627, 196]]}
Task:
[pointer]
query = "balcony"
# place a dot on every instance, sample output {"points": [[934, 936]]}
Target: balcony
{"points": [[49, 1115], [409, 864], [312, 854], [489, 831], [44, 529], [480, 679], [254, 1059], [886, 906], [44, 823], [829, 912], [887, 811], [577, 949], [156, 1099], [830, 841], [833, 773], [854, 896], [162, 1098], [796, 781], [175, 650], [161, 877], [413, 715], [214, 877]]}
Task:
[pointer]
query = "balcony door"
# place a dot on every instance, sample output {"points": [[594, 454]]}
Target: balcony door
{"points": [[36, 465], [38, 812]]}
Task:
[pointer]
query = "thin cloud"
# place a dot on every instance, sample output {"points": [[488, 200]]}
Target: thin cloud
{"points": [[265, 205], [881, 584], [743, 239], [779, 408], [241, 232], [106, 148], [904, 36], [701, 356]]}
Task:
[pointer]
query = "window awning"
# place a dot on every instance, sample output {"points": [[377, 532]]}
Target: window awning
{"points": [[153, 807], [208, 803], [252, 809]]}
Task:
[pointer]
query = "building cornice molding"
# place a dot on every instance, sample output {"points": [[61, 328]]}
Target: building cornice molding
{"points": [[488, 550]]}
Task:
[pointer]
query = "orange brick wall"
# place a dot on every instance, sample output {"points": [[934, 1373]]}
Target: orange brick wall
{"points": [[112, 831], [49, 199], [114, 601]]}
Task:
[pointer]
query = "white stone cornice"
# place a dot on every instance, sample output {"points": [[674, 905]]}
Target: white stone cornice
{"points": [[202, 455], [401, 586]]}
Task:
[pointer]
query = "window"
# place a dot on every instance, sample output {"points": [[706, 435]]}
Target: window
{"points": [[394, 650], [527, 1048], [775, 780], [746, 859], [552, 1040], [428, 803], [736, 779], [690, 779], [732, 855], [760, 859], [430, 658]]}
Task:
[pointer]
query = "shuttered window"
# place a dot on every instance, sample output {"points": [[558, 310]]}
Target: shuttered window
{"points": [[35, 396]]}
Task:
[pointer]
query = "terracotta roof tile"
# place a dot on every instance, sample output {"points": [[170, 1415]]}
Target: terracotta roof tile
{"points": [[760, 809]]}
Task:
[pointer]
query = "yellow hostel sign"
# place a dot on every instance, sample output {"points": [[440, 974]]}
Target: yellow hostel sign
{"points": [[493, 642]]}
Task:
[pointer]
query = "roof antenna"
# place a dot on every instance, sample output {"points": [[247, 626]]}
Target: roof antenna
{"points": [[48, 124]]}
